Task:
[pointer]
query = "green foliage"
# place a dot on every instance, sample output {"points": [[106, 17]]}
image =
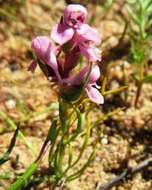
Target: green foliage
{"points": [[140, 12], [147, 79], [52, 135], [79, 125], [23, 180], [108, 3], [5, 157], [13, 126], [140, 15], [137, 55]]}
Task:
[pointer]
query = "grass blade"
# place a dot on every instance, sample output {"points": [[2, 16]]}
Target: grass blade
{"points": [[13, 126], [5, 157]]}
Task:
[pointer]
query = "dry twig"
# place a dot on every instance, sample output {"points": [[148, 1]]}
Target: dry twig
{"points": [[126, 174]]}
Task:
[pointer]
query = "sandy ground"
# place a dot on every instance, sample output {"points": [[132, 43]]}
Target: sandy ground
{"points": [[125, 138]]}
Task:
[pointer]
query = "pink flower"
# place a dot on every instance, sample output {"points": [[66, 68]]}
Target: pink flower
{"points": [[87, 33], [71, 60], [74, 38], [61, 33], [75, 15], [90, 52], [92, 92], [85, 38], [74, 22], [44, 51]]}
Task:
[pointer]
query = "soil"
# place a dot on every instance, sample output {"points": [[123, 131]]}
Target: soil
{"points": [[125, 138]]}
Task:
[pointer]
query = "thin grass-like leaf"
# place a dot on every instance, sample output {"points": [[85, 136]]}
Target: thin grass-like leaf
{"points": [[80, 172], [13, 126], [5, 157], [79, 124], [23, 180], [147, 79]]}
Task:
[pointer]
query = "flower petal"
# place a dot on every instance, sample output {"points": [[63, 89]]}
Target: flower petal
{"points": [[94, 75], [78, 79], [41, 45], [71, 60], [75, 15], [90, 52], [94, 95], [53, 64], [61, 33], [88, 33]]}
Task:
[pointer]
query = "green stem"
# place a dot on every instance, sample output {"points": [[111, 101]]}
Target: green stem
{"points": [[10, 148], [23, 180], [51, 152], [88, 128]]}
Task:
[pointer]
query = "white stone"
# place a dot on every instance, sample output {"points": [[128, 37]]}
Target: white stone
{"points": [[10, 104]]}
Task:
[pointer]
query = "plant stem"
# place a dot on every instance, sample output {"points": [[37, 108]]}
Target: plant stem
{"points": [[24, 179], [139, 88], [88, 128]]}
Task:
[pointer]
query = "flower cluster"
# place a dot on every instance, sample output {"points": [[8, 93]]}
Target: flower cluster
{"points": [[74, 38]]}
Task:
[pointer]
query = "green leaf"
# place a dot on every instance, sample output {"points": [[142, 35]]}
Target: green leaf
{"points": [[80, 172], [147, 79], [137, 55], [79, 124], [6, 176], [53, 132], [5, 157], [72, 93], [63, 107], [108, 3], [136, 77], [133, 16], [23, 180], [149, 9], [21, 106], [147, 3], [13, 126]]}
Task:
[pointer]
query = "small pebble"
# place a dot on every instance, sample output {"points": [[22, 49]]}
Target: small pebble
{"points": [[10, 104], [104, 141], [56, 113]]}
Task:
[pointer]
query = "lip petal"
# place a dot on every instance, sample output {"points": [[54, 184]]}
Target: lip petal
{"points": [[94, 95], [88, 33], [61, 33], [75, 15]]}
